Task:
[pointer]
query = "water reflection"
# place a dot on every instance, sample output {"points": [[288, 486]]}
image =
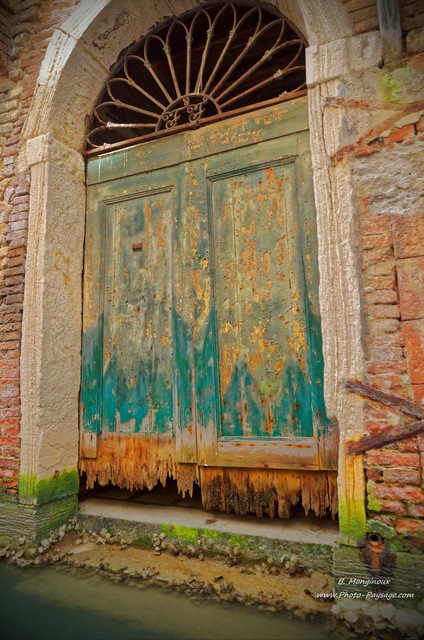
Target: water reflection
{"points": [[45, 603]]}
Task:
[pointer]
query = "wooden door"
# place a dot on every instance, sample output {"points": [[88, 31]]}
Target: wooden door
{"points": [[201, 323]]}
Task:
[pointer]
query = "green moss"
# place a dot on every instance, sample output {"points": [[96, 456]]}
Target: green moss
{"points": [[352, 521], [373, 503], [144, 542], [393, 86], [385, 531], [48, 489], [186, 534]]}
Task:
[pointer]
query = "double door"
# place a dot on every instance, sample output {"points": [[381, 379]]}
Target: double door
{"points": [[201, 319]]}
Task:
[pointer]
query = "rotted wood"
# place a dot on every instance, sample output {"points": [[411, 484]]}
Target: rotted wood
{"points": [[393, 434]]}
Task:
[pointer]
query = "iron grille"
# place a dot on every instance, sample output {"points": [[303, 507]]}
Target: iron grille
{"points": [[207, 64]]}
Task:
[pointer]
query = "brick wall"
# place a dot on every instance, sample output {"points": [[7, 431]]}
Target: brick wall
{"points": [[393, 278], [364, 14]]}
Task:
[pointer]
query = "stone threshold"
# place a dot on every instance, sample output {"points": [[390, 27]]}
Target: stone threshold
{"points": [[302, 529]]}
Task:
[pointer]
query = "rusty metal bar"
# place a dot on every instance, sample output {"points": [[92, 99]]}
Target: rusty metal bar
{"points": [[387, 436], [388, 399]]}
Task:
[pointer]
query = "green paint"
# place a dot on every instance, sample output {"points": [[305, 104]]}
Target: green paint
{"points": [[384, 530], [33, 490]]}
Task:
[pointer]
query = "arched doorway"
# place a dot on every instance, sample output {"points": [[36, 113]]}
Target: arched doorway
{"points": [[202, 348]]}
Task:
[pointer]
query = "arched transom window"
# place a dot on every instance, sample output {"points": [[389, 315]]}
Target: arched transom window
{"points": [[211, 63]]}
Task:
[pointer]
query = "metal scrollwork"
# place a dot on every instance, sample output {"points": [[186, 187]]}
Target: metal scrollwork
{"points": [[209, 62]]}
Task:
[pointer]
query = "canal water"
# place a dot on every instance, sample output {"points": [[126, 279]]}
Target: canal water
{"points": [[55, 604]]}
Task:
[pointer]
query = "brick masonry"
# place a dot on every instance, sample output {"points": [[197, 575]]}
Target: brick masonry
{"points": [[391, 248], [393, 267]]}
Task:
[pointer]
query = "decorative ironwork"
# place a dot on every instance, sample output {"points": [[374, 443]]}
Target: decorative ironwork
{"points": [[210, 62]]}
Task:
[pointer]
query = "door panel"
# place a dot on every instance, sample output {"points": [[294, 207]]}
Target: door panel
{"points": [[137, 360], [264, 395]]}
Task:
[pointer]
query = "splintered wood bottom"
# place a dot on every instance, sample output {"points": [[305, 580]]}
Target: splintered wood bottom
{"points": [[141, 462], [137, 463], [269, 492]]}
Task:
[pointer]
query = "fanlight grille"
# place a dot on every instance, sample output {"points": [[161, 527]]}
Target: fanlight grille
{"points": [[208, 63]]}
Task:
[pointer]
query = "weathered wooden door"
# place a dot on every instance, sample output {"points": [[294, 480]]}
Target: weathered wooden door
{"points": [[201, 323]]}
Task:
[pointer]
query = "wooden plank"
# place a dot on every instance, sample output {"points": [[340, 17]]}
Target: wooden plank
{"points": [[388, 399], [389, 435], [299, 453]]}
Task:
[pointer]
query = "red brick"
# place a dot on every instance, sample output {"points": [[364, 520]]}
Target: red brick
{"points": [[387, 367], [375, 427], [384, 310], [12, 431], [6, 442], [10, 463], [9, 345], [7, 473], [16, 252], [379, 282], [379, 254], [399, 476], [418, 393], [382, 268], [387, 413], [411, 287], [391, 340], [398, 134], [406, 525], [386, 458], [11, 373], [392, 492], [408, 445], [374, 474], [373, 242], [416, 510], [10, 452], [393, 506], [382, 296], [388, 354], [408, 235], [375, 225], [383, 325], [420, 124], [414, 340]]}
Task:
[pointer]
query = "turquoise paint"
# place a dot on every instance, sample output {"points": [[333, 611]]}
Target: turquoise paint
{"points": [[182, 373], [92, 350], [207, 398]]}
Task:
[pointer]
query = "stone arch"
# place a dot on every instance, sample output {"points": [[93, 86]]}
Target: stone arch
{"points": [[76, 65]]}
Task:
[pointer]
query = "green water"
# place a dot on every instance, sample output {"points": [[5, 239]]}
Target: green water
{"points": [[52, 604]]}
